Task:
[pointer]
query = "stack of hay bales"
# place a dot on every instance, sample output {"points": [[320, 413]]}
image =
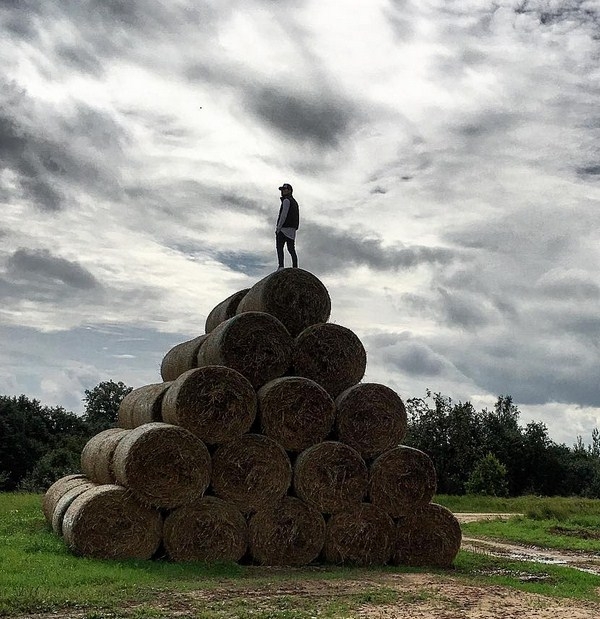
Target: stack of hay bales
{"points": [[261, 444]]}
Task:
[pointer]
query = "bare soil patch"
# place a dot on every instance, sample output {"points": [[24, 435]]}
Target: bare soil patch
{"points": [[420, 596]]}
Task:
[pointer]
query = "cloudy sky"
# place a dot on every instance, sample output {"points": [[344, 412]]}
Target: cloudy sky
{"points": [[445, 155]]}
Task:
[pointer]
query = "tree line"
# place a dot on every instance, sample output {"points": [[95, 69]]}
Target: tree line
{"points": [[478, 452], [489, 452], [40, 444]]}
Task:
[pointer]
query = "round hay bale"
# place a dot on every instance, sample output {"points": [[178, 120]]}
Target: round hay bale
{"points": [[57, 489], [181, 358], [163, 465], [142, 405], [331, 355], [214, 402], [294, 296], [252, 471], [363, 535], [224, 311], [295, 412], [209, 530], [402, 480], [288, 533], [127, 404], [63, 504], [371, 418], [331, 476], [255, 344], [96, 457], [107, 523], [429, 536]]}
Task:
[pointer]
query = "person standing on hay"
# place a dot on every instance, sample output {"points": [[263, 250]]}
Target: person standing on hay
{"points": [[287, 224]]}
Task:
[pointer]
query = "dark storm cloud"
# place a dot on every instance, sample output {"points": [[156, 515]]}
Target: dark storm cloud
{"points": [[240, 202], [31, 159], [571, 12], [403, 352], [415, 359], [534, 372], [321, 119], [590, 170], [37, 144], [81, 59], [319, 115], [580, 323], [248, 263], [400, 19], [339, 249], [106, 29], [569, 286], [188, 197], [461, 310], [27, 264], [543, 229]]}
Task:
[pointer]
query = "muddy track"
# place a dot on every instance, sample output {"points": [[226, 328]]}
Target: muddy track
{"points": [[584, 561]]}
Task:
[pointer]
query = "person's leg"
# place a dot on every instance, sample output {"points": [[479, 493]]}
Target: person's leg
{"points": [[279, 243], [291, 245]]}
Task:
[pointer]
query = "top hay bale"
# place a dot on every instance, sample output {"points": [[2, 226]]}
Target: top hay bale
{"points": [[294, 296], [224, 311]]}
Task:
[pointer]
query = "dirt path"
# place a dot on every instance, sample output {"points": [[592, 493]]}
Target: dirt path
{"points": [[585, 561], [418, 596], [464, 517]]}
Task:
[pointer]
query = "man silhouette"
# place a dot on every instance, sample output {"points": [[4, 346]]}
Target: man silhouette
{"points": [[287, 224]]}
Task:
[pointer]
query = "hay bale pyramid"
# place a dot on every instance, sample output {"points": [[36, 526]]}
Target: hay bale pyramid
{"points": [[260, 445]]}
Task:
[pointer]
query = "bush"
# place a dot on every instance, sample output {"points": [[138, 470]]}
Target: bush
{"points": [[51, 467], [488, 477]]}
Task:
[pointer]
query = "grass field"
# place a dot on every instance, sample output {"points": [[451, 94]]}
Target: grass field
{"points": [[558, 508], [37, 574], [549, 522]]}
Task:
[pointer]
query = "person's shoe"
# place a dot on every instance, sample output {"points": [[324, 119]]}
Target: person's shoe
{"points": [[279, 268]]}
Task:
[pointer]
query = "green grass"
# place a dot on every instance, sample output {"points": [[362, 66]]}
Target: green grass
{"points": [[532, 506], [564, 535], [550, 522], [38, 573]]}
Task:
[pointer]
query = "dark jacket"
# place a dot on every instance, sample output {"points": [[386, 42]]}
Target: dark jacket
{"points": [[293, 217]]}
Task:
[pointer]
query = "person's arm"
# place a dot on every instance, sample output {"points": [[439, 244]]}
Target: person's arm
{"points": [[284, 213]]}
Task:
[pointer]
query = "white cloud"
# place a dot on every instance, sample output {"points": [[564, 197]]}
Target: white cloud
{"points": [[444, 155]]}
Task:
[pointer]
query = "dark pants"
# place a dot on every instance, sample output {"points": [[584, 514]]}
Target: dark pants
{"points": [[280, 241]]}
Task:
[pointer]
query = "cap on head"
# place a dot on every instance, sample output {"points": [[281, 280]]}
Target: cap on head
{"points": [[286, 186]]}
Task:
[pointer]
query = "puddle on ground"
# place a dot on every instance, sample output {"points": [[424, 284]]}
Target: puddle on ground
{"points": [[589, 563]]}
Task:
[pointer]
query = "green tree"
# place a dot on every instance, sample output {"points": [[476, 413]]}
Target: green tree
{"points": [[102, 404], [50, 467], [488, 477], [450, 434], [28, 430], [503, 437]]}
